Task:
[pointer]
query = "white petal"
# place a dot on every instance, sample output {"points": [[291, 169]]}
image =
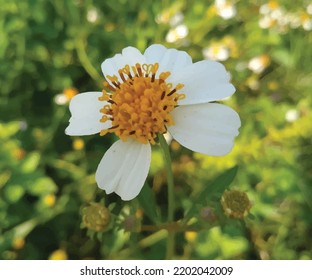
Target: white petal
{"points": [[129, 56], [204, 81], [132, 56], [154, 53], [169, 59], [206, 128], [124, 168], [85, 110], [110, 66]]}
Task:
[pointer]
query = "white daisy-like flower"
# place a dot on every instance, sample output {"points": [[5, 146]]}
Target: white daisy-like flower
{"points": [[292, 115], [259, 63], [149, 94], [217, 51], [177, 33], [225, 9]]}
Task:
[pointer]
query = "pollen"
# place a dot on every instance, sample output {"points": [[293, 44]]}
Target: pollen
{"points": [[139, 103]]}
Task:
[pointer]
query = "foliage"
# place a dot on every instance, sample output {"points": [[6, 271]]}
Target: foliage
{"points": [[50, 49]]}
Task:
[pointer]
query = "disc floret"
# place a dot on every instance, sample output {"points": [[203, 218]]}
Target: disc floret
{"points": [[139, 103]]}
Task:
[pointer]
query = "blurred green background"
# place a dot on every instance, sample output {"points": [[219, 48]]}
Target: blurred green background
{"points": [[51, 50]]}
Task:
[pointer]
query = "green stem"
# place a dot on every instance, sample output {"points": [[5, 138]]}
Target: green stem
{"points": [[171, 202], [84, 60]]}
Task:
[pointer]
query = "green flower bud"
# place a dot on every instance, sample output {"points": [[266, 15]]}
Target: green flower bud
{"points": [[131, 223], [96, 217], [236, 204], [207, 214]]}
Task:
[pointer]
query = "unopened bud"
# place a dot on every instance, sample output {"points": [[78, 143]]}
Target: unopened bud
{"points": [[96, 217], [131, 223], [236, 204], [207, 214]]}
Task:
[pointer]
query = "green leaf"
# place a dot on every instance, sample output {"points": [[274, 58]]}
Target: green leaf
{"points": [[148, 203], [30, 163], [284, 57], [42, 186], [9, 129], [215, 188], [14, 192]]}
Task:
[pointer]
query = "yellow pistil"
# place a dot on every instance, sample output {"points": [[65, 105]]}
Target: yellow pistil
{"points": [[139, 103]]}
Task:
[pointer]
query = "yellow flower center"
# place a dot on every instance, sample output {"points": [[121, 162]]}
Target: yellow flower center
{"points": [[139, 103]]}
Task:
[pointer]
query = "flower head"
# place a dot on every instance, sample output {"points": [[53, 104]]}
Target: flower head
{"points": [[259, 63], [177, 33], [149, 94], [217, 51], [225, 9], [65, 96], [96, 217], [236, 204]]}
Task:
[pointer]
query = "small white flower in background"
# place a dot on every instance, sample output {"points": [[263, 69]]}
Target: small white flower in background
{"points": [[92, 15], [291, 115], [171, 16], [273, 15], [306, 21], [307, 25], [225, 9], [269, 7], [266, 22], [60, 99], [64, 97], [259, 63], [309, 9], [177, 33], [149, 94], [253, 83], [294, 21], [23, 125], [217, 51], [176, 19]]}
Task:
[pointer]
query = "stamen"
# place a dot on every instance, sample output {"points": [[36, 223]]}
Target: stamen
{"points": [[113, 127], [109, 86], [139, 70], [105, 96], [181, 96], [147, 69], [104, 118], [122, 75], [116, 84], [111, 101], [126, 69], [171, 92]]}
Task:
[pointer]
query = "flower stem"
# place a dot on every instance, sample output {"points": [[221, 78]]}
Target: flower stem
{"points": [[171, 202]]}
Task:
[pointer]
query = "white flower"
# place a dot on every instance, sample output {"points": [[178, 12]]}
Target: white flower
{"points": [[151, 93], [266, 22], [176, 19], [306, 21], [309, 9], [92, 15], [307, 25], [292, 115], [259, 63], [225, 9], [177, 33], [217, 51], [64, 97]]}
